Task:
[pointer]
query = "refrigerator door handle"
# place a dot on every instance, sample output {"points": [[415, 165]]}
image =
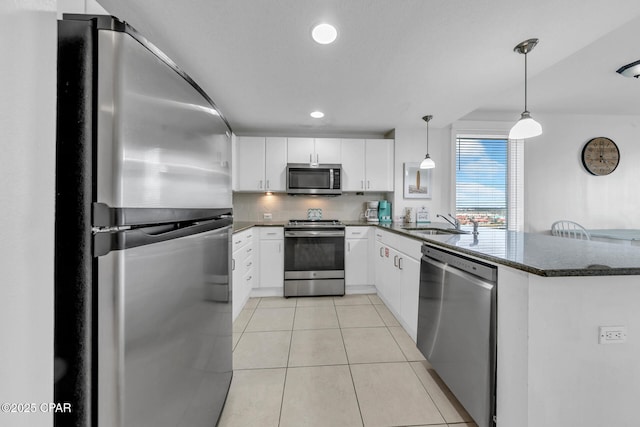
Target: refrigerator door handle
{"points": [[104, 215], [103, 243]]}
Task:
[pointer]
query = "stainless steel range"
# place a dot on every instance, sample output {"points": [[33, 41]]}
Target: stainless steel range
{"points": [[313, 258]]}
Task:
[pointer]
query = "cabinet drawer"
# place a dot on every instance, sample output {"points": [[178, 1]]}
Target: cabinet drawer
{"points": [[407, 245], [357, 232], [241, 239], [247, 250], [248, 279], [248, 263], [271, 233]]}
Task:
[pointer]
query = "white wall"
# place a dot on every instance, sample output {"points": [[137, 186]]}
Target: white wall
{"points": [[79, 6], [558, 187], [27, 119], [411, 146]]}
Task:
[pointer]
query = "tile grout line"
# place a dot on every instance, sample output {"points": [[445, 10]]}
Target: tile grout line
{"points": [[425, 389], [353, 383], [286, 368]]}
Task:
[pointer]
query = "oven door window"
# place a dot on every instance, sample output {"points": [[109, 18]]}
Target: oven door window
{"points": [[305, 179], [314, 253]]}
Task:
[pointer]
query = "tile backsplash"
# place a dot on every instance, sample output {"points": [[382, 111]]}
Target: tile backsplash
{"points": [[252, 206]]}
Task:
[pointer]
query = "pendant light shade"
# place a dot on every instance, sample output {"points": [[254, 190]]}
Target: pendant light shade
{"points": [[428, 162], [526, 127]]}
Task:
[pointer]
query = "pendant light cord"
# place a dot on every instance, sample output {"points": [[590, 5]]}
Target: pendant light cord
{"points": [[525, 82], [427, 137]]}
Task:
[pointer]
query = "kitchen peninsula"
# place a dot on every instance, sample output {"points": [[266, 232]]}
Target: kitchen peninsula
{"points": [[553, 295]]}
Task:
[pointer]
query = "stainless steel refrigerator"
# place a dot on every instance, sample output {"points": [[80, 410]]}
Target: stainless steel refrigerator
{"points": [[143, 222]]}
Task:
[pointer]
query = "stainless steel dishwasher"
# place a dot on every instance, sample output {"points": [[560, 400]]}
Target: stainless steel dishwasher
{"points": [[457, 327]]}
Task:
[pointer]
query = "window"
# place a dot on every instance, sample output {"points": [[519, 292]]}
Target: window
{"points": [[489, 181]]}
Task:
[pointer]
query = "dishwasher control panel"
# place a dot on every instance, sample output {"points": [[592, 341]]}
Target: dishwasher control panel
{"points": [[472, 266]]}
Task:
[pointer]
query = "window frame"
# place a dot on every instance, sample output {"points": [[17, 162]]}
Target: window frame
{"points": [[494, 130]]}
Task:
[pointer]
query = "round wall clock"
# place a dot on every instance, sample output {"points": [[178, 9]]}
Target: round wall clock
{"points": [[600, 156]]}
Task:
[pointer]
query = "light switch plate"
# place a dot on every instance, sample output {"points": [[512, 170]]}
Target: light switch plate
{"points": [[267, 216]]}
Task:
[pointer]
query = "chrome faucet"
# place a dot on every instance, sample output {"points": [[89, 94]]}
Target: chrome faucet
{"points": [[455, 222], [475, 226]]}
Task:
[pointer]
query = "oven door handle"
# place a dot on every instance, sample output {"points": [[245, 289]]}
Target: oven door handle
{"points": [[314, 233]]}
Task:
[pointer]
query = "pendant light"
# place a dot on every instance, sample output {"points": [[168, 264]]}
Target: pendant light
{"points": [[526, 127], [427, 163]]}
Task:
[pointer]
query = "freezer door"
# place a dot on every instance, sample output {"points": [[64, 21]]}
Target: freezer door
{"points": [[161, 143], [164, 338]]}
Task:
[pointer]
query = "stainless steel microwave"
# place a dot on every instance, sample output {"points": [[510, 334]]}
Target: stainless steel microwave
{"points": [[324, 180]]}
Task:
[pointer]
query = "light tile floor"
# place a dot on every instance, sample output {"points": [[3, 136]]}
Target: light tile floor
{"points": [[325, 361]]}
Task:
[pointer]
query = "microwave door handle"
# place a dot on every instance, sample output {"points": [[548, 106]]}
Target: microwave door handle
{"points": [[331, 179]]}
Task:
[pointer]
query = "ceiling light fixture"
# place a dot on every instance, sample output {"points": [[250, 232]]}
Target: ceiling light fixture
{"points": [[324, 33], [526, 127], [630, 70], [317, 114], [427, 163]]}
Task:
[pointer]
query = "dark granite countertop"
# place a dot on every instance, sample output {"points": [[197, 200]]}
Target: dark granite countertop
{"points": [[239, 226], [535, 253]]}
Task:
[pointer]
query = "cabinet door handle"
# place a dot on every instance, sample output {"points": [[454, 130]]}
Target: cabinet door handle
{"points": [[249, 250], [279, 247], [368, 184], [249, 264], [271, 233], [362, 184], [318, 158], [382, 252], [356, 233], [400, 263], [249, 278], [260, 187], [395, 260], [238, 242], [267, 187], [310, 158], [348, 246], [233, 264]]}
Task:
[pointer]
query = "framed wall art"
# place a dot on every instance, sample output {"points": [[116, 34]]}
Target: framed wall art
{"points": [[417, 182]]}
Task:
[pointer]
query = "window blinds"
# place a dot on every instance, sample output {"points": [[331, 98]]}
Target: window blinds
{"points": [[489, 181]]}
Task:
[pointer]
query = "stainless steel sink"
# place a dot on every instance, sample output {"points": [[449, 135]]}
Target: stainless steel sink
{"points": [[435, 231]]}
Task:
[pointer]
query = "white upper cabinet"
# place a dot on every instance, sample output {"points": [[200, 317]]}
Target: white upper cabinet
{"points": [[260, 164], [367, 165], [276, 164], [313, 150], [379, 164], [249, 163], [353, 169]]}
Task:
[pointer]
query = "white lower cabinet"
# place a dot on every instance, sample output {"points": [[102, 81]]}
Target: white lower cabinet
{"points": [[243, 269], [410, 286], [271, 262], [357, 257], [398, 276]]}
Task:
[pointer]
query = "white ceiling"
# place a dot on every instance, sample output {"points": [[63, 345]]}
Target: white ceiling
{"points": [[394, 60]]}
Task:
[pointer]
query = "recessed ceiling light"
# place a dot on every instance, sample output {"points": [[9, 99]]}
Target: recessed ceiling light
{"points": [[324, 33], [317, 114]]}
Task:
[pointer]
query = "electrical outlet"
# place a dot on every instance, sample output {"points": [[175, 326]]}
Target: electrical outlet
{"points": [[267, 216], [612, 335]]}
